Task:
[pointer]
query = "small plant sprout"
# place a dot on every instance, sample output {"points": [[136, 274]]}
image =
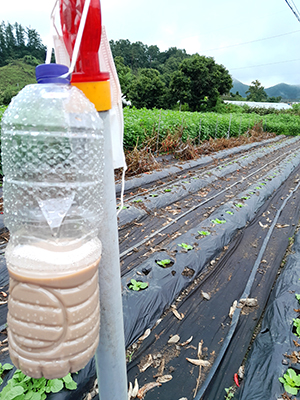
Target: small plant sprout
{"points": [[204, 233], [218, 221], [258, 187], [297, 297], [137, 285], [245, 197], [296, 324], [138, 201], [153, 195], [3, 368], [229, 393], [229, 212], [291, 381], [168, 190], [186, 246], [164, 263], [239, 205]]}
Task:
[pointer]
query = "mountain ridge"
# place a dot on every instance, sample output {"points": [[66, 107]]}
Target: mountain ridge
{"points": [[284, 90]]}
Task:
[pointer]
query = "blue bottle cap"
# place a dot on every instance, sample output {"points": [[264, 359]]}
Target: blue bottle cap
{"points": [[51, 73]]}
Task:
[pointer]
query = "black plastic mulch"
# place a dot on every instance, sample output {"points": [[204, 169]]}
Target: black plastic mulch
{"points": [[208, 320], [268, 359]]}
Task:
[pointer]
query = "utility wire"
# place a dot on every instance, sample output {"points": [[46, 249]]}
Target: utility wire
{"points": [[295, 12], [252, 41]]}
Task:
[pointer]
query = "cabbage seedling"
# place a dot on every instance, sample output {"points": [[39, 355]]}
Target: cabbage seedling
{"points": [[218, 221], [186, 246], [204, 233], [137, 286], [163, 263], [291, 381]]}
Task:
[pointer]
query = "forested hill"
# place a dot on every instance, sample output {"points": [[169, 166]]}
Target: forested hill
{"points": [[286, 92]]}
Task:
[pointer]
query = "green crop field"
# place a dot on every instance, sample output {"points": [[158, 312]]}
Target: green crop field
{"points": [[142, 124]]}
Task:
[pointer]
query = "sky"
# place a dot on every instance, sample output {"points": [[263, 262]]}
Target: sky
{"points": [[254, 40]]}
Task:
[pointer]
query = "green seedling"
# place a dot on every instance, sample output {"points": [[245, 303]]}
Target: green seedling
{"points": [[245, 197], [185, 182], [239, 205], [186, 246], [129, 356], [3, 368], [291, 381], [153, 195], [229, 212], [123, 208], [204, 233], [22, 387], [218, 221], [229, 393], [258, 187], [137, 286], [296, 323], [164, 263], [138, 201], [297, 297], [168, 190]]}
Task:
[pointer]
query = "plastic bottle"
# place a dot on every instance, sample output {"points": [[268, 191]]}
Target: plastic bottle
{"points": [[52, 154]]}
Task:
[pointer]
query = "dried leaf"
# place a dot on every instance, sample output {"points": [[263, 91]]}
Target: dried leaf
{"points": [[186, 342], [176, 313], [164, 378], [147, 364], [281, 226], [249, 302], [201, 363], [135, 389], [143, 390], [262, 225], [174, 339], [145, 335], [130, 391], [233, 308], [206, 296]]}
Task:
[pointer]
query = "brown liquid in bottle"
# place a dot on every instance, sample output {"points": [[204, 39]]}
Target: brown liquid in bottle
{"points": [[53, 316]]}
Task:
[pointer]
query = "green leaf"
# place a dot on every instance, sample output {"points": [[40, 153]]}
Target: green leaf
{"points": [[163, 263], [143, 285], [12, 393], [7, 367], [204, 233], [289, 389], [297, 295], [54, 385]]}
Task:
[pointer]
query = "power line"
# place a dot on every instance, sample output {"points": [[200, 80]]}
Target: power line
{"points": [[294, 11], [262, 65], [252, 41]]}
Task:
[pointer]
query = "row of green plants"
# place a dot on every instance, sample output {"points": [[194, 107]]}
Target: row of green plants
{"points": [[143, 124]]}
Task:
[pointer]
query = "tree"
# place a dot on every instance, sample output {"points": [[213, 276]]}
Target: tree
{"points": [[256, 92], [148, 90], [204, 81], [125, 75]]}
